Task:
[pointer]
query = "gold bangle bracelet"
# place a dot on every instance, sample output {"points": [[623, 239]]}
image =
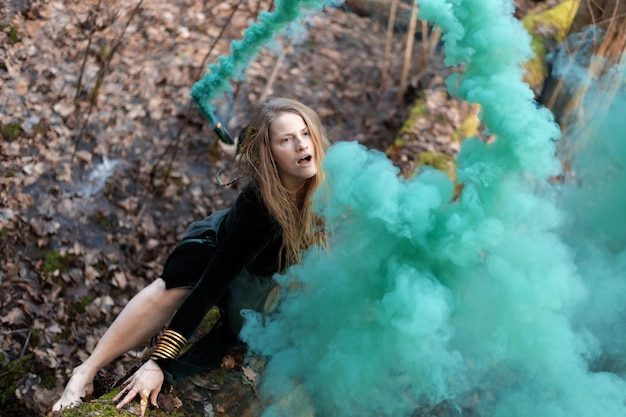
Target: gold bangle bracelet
{"points": [[156, 356], [167, 351], [169, 345], [159, 354], [171, 334]]}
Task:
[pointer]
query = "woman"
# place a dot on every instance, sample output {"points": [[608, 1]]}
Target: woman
{"points": [[227, 260]]}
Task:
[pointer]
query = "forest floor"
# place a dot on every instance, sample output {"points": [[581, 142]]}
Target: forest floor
{"points": [[104, 159]]}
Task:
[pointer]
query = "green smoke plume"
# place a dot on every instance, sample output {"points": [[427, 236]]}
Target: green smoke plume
{"points": [[258, 34], [477, 302]]}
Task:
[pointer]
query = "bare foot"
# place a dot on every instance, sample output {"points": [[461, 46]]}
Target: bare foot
{"points": [[79, 386]]}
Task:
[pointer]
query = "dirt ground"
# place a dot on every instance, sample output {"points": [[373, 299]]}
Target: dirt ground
{"points": [[104, 159]]}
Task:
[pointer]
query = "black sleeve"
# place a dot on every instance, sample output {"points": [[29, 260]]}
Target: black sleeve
{"points": [[247, 234]]}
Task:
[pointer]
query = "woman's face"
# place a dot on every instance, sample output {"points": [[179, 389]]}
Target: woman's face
{"points": [[293, 150]]}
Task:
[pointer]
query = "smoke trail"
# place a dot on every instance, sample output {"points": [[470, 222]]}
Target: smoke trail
{"points": [[255, 37], [421, 299]]}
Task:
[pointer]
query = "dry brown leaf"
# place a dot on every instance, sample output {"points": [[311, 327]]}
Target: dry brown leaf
{"points": [[249, 377], [14, 317], [168, 402], [91, 274], [119, 279], [203, 382], [228, 362]]}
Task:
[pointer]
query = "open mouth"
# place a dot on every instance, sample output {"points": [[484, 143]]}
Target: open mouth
{"points": [[305, 159]]}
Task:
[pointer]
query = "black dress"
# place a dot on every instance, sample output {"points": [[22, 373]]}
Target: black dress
{"points": [[228, 260]]}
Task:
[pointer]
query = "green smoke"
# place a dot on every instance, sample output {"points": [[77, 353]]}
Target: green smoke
{"points": [[255, 37], [593, 195], [479, 302], [595, 145]]}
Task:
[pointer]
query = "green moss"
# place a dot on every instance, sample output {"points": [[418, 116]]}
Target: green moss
{"points": [[48, 380], [468, 128], [104, 54], [78, 307], [4, 233], [206, 324], [34, 335], [101, 219], [435, 159], [12, 371], [14, 36], [100, 266], [105, 407], [419, 110], [438, 161], [100, 408], [10, 173], [54, 261], [210, 319], [10, 131], [85, 301], [110, 395], [546, 25], [217, 376], [95, 91]]}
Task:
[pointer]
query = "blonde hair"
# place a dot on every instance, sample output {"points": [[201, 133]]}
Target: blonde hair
{"points": [[300, 226]]}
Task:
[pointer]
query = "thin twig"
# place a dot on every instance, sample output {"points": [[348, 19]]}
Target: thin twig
{"points": [[30, 332], [408, 51], [559, 86], [236, 91], [98, 401], [426, 44], [429, 43], [100, 77], [599, 67], [272, 78], [92, 30], [5, 332], [388, 43], [173, 146]]}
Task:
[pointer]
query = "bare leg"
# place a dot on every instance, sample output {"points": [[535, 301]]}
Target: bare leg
{"points": [[144, 315]]}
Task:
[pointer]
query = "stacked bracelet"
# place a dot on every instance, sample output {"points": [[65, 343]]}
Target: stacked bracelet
{"points": [[169, 346]]}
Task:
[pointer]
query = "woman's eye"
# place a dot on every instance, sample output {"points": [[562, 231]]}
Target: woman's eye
{"points": [[307, 133]]}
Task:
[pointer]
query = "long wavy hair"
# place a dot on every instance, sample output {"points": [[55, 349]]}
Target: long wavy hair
{"points": [[300, 226]]}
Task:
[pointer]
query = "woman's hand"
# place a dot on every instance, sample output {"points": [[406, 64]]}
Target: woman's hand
{"points": [[228, 151], [78, 387], [146, 383]]}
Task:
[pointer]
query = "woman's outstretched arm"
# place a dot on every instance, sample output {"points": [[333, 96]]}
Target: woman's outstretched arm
{"points": [[143, 317]]}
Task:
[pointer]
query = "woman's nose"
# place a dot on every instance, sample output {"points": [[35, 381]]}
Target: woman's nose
{"points": [[301, 143]]}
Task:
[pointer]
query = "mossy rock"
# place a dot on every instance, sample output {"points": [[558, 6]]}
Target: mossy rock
{"points": [[432, 133], [547, 26], [218, 393]]}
